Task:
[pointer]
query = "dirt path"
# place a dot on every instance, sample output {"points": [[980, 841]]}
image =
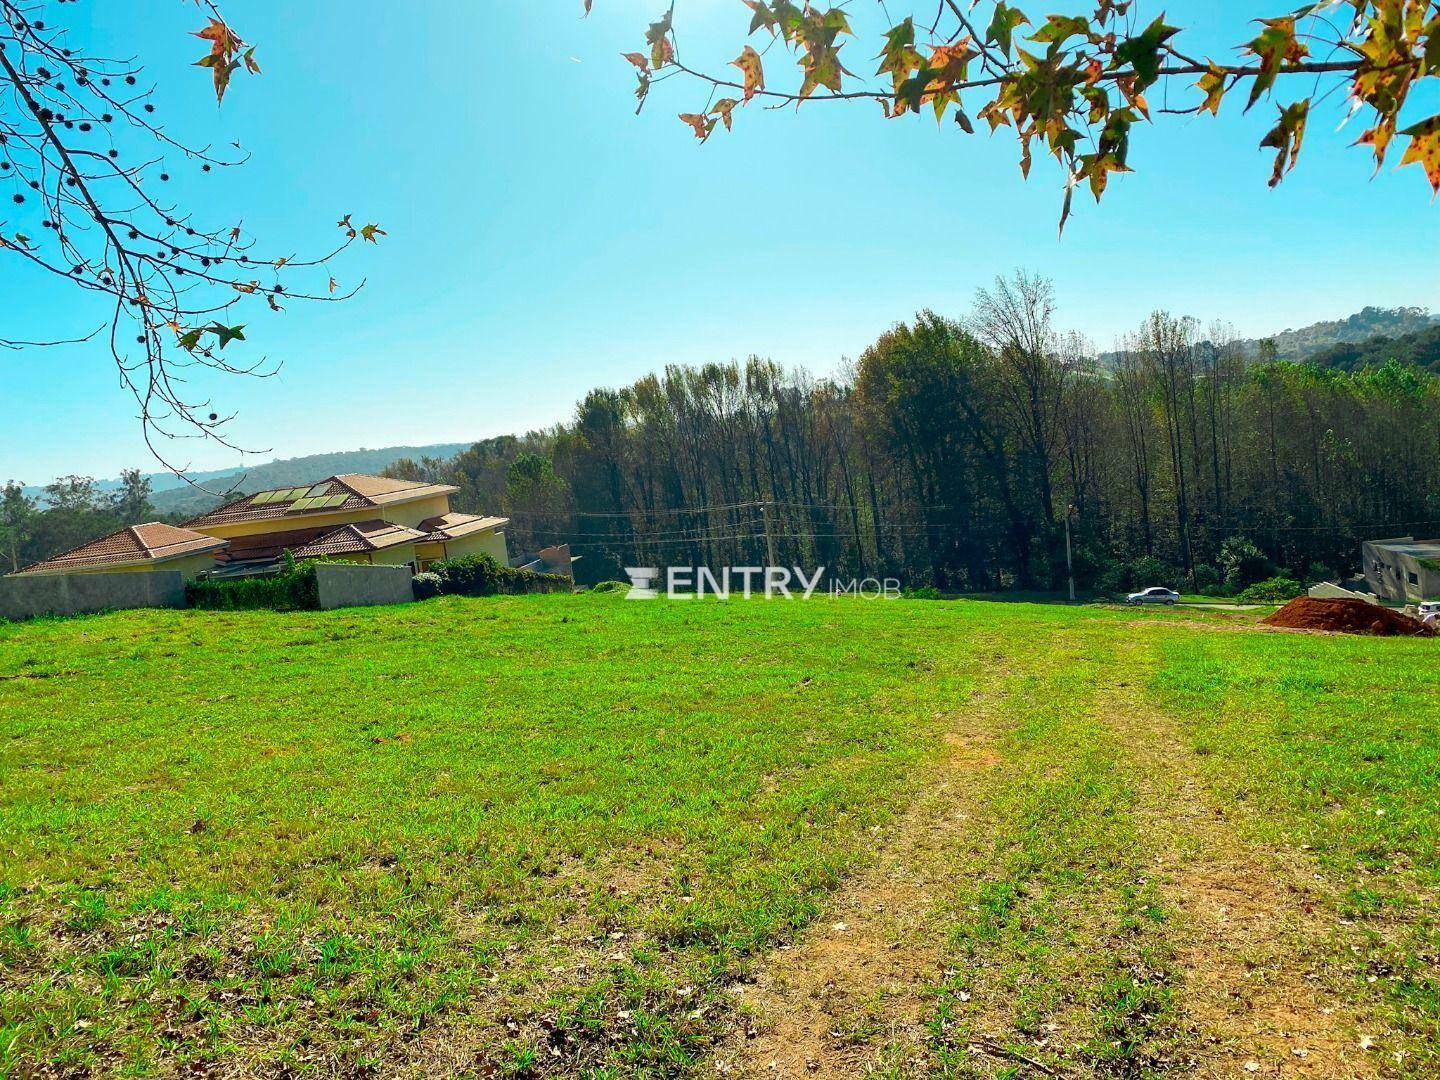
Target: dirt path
{"points": [[1252, 928], [849, 995], [1255, 926]]}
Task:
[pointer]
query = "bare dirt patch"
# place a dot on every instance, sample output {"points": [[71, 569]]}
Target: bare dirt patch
{"points": [[850, 994]]}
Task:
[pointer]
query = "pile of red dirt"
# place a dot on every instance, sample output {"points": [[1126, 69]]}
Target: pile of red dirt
{"points": [[1347, 617]]}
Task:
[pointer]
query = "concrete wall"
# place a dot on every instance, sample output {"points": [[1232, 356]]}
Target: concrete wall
{"points": [[75, 594], [357, 585], [1327, 590]]}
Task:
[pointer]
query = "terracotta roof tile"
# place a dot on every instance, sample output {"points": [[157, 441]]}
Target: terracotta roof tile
{"points": [[152, 542], [364, 536]]}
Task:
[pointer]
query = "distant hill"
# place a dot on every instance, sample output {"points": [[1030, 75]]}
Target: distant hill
{"points": [[1364, 325], [174, 498], [1421, 348], [1308, 342]]}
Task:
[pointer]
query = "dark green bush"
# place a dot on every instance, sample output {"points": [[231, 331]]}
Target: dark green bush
{"points": [[481, 575], [925, 592], [294, 588], [426, 584]]}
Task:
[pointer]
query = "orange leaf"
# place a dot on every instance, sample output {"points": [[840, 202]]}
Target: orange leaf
{"points": [[1424, 149], [749, 64]]}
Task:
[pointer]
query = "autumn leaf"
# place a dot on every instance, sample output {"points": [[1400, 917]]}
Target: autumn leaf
{"points": [[1003, 26], [640, 60], [1285, 138], [224, 44], [749, 64], [333, 284], [370, 232], [1379, 137], [700, 124], [899, 57], [1424, 149], [1213, 83], [1143, 53], [1059, 29], [723, 108], [1275, 45], [658, 38]]}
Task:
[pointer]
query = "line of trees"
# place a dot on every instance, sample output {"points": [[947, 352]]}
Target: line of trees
{"points": [[954, 452], [73, 511]]}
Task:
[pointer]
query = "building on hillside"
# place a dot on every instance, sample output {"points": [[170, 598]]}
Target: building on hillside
{"points": [[349, 518], [550, 560], [1403, 569], [352, 518], [152, 546]]}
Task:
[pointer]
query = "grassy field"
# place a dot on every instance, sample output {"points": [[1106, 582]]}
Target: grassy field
{"points": [[579, 836]]}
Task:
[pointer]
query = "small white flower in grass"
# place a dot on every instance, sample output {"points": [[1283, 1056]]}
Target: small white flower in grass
{"points": [[1252, 1066], [1367, 1043], [839, 927]]}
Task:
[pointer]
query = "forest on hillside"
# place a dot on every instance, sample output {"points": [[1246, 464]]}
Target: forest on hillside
{"points": [[953, 450], [951, 453]]}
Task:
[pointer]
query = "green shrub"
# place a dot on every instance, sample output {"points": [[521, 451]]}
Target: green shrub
{"points": [[294, 588], [927, 592], [481, 575], [1277, 590], [610, 587], [426, 584]]}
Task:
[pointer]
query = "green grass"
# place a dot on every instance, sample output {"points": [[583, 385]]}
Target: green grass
{"points": [[548, 835]]}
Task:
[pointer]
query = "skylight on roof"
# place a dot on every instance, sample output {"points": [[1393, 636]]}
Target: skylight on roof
{"points": [[318, 490]]}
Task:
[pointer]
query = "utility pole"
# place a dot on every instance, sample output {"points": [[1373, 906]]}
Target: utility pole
{"points": [[769, 537], [1069, 562]]}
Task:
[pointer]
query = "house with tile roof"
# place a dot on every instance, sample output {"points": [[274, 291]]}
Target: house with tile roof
{"points": [[350, 517], [152, 546]]}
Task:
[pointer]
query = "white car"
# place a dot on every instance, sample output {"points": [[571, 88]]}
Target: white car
{"points": [[1157, 595], [1430, 612]]}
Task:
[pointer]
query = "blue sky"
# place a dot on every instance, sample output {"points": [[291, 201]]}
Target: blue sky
{"points": [[544, 240]]}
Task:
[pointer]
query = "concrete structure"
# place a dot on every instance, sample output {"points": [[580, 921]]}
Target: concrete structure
{"points": [[550, 560], [136, 549], [1327, 590], [1403, 569], [24, 596], [349, 585]]}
